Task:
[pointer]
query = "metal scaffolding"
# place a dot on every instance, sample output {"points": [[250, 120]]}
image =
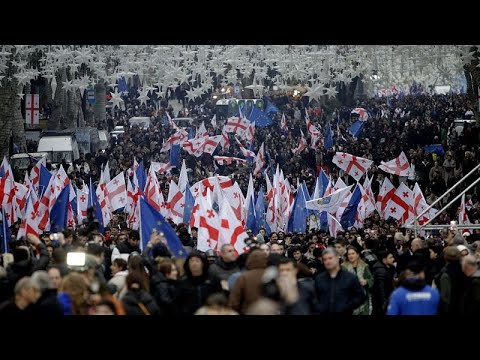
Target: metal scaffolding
{"points": [[416, 226]]}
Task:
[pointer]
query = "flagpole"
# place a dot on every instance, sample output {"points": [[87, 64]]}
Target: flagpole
{"points": [[139, 221], [4, 230]]}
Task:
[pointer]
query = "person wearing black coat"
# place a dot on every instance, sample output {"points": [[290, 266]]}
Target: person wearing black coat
{"points": [[137, 301], [471, 299], [197, 285], [306, 303], [338, 291], [451, 283], [47, 304], [164, 288], [24, 264], [383, 274], [128, 246]]}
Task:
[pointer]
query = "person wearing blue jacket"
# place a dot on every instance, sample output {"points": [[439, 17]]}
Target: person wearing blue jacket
{"points": [[414, 296]]}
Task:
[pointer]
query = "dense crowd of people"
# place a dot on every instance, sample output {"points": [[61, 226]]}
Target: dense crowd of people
{"points": [[379, 269]]}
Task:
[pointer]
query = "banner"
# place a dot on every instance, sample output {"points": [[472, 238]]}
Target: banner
{"points": [[32, 109]]}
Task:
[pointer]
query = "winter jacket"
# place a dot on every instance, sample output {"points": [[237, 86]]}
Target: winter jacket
{"points": [[46, 305], [18, 270], [193, 291], [339, 295], [307, 303], [471, 300], [119, 281], [382, 287], [135, 298], [451, 283], [165, 291], [221, 270], [414, 297], [248, 287], [362, 272]]}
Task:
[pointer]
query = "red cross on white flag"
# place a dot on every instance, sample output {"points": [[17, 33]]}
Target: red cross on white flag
{"points": [[32, 109]]}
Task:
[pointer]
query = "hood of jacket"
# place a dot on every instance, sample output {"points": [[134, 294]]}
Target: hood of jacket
{"points": [[413, 283], [206, 265], [256, 260], [224, 265]]}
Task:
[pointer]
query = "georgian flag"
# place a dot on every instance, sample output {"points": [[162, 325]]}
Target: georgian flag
{"points": [[117, 192], [386, 193], [362, 113], [208, 226], [236, 125], [401, 204], [231, 229], [302, 145], [259, 160], [228, 160], [245, 151], [353, 165], [462, 214], [398, 166]]}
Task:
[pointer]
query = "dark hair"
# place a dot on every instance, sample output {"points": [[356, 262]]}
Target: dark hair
{"points": [[285, 260], [134, 235], [67, 233], [95, 249], [370, 243], [342, 241], [134, 278], [383, 254], [20, 254], [317, 252], [121, 263], [59, 256], [166, 267], [415, 266], [354, 248]]}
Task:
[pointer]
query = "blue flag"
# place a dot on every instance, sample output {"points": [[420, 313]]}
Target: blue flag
{"points": [[350, 213], [322, 183], [328, 141], [260, 210], [59, 212], [45, 176], [305, 191], [298, 218], [5, 235], [151, 220], [142, 178], [260, 117], [251, 222], [175, 156], [252, 148], [189, 203], [122, 84], [270, 108], [435, 148], [74, 203], [97, 210], [357, 128], [190, 133]]}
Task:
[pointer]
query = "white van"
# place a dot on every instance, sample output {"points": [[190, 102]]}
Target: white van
{"points": [[104, 137], [23, 161], [459, 124], [59, 148], [142, 122]]}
